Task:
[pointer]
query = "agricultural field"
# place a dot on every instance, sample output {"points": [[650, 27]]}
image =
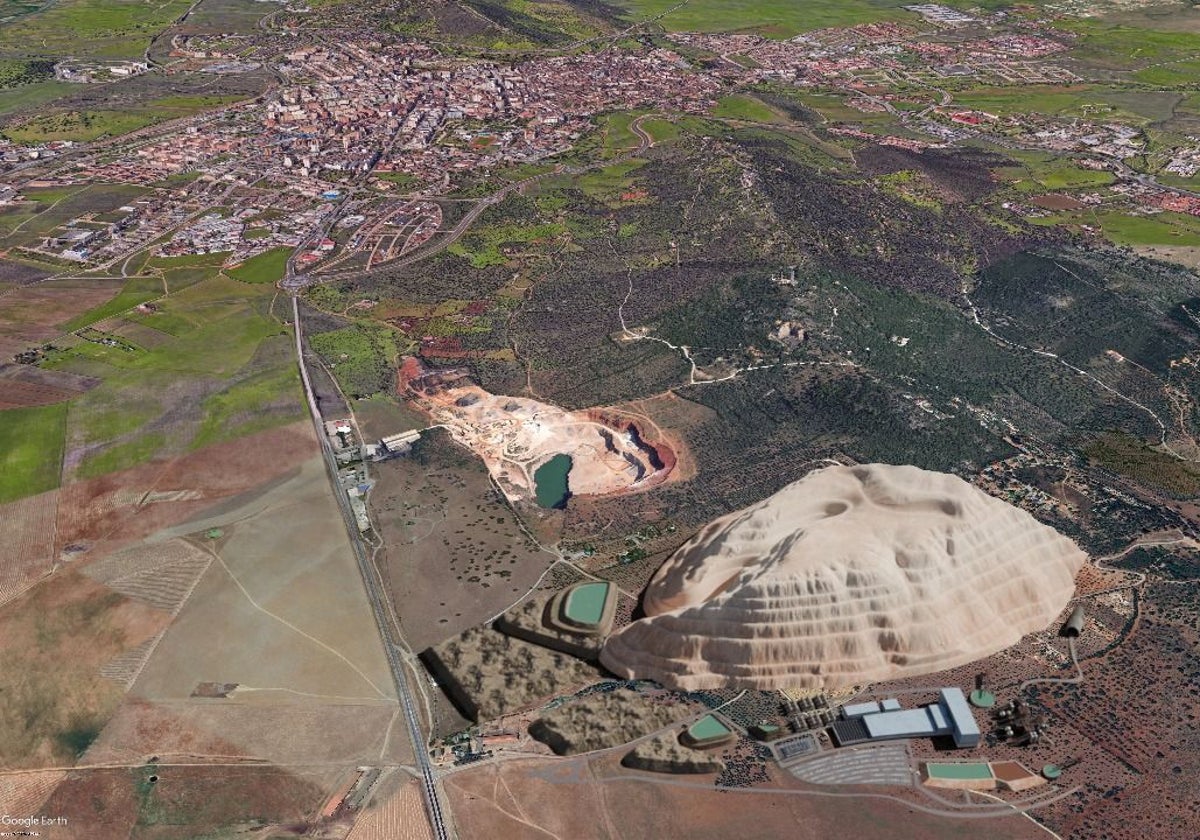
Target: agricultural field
{"points": [[745, 108], [774, 18], [31, 443], [208, 363], [55, 638], [99, 29], [267, 267], [77, 125], [90, 124]]}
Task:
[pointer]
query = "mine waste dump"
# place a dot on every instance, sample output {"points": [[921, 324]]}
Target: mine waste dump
{"points": [[849, 575]]}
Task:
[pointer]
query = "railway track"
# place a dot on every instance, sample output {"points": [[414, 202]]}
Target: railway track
{"points": [[387, 630]]}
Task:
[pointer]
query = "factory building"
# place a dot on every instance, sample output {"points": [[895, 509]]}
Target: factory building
{"points": [[886, 721]]}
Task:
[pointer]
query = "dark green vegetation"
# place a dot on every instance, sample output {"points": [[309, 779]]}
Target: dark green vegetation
{"points": [[1150, 467], [363, 357], [873, 353], [16, 72]]}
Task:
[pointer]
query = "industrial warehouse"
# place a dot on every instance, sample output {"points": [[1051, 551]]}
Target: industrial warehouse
{"points": [[885, 721]]}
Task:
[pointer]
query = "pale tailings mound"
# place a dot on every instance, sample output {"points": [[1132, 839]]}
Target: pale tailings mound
{"points": [[850, 575], [602, 720]]}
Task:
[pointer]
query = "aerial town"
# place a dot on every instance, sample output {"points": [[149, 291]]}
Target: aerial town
{"points": [[482, 418]]}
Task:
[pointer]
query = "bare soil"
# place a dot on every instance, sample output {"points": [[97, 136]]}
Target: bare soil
{"points": [[1183, 254], [397, 812], [1057, 201], [26, 542], [32, 315], [183, 803], [597, 798], [108, 512], [53, 641], [315, 734]]}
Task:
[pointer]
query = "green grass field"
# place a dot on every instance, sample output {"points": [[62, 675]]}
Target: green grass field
{"points": [[608, 183], [221, 368], [1109, 44], [361, 356], [90, 124], [267, 267], [125, 300], [482, 247], [31, 449], [119, 456], [1159, 229], [79, 125], [246, 406], [661, 131], [32, 95], [745, 108], [1035, 172], [107, 29], [776, 18], [1096, 102]]}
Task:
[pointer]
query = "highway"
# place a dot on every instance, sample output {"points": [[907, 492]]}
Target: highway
{"points": [[388, 632]]}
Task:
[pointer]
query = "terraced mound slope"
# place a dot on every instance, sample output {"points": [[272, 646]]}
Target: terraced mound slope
{"points": [[850, 575]]}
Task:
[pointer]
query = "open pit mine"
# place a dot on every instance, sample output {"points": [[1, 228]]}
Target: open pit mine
{"points": [[517, 436]]}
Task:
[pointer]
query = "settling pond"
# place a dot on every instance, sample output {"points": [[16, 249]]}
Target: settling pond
{"points": [[550, 482]]}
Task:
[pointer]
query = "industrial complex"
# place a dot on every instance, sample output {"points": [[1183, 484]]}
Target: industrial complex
{"points": [[885, 721]]}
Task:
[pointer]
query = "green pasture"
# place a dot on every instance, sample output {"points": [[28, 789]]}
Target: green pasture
{"points": [[1083, 100], [1109, 44], [267, 267], [1158, 229], [31, 449], [483, 247], [775, 18], [102, 29], [225, 369], [745, 108]]}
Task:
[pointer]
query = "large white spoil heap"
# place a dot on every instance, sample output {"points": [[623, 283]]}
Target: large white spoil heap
{"points": [[850, 575]]}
